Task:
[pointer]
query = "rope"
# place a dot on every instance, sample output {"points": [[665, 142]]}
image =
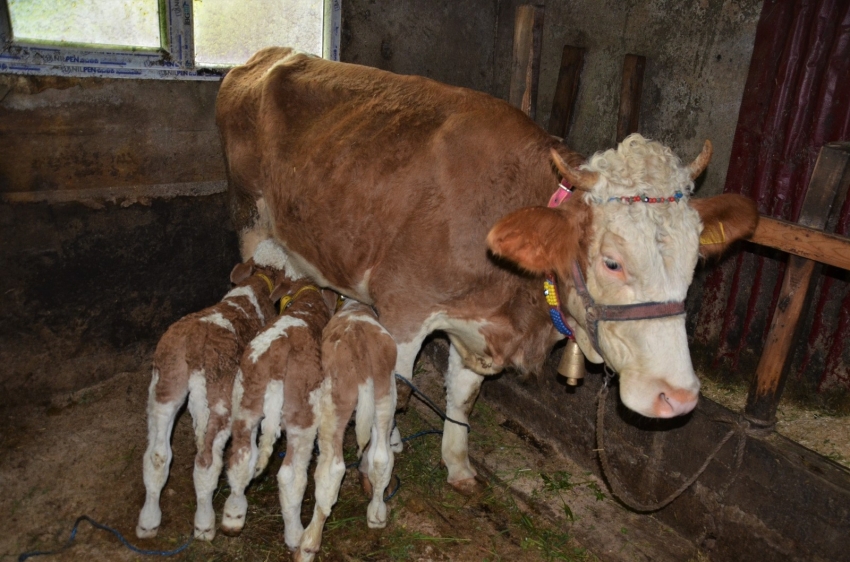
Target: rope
{"points": [[433, 406], [741, 428], [121, 538]]}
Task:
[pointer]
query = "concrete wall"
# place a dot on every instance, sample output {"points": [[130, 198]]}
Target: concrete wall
{"points": [[697, 58], [113, 187]]}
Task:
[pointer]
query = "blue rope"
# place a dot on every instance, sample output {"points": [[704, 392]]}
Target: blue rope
{"points": [[94, 523], [428, 401], [394, 492]]}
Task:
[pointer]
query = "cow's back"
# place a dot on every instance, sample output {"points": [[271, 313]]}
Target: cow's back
{"points": [[378, 183]]}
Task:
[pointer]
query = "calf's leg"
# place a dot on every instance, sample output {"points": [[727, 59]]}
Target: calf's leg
{"points": [[292, 480], [157, 459]]}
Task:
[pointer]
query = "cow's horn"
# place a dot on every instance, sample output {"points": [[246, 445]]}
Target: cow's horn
{"points": [[700, 162], [582, 180]]}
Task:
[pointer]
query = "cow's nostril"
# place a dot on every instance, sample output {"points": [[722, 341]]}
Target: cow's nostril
{"points": [[675, 403]]}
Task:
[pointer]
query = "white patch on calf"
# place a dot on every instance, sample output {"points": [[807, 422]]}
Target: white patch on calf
{"points": [[198, 406], [246, 291], [219, 320], [232, 304], [262, 342]]}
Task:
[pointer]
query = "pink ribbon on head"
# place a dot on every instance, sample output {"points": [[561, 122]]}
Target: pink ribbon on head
{"points": [[561, 194]]}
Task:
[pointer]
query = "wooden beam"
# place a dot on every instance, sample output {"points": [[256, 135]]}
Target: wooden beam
{"points": [[832, 170], [525, 62], [631, 89], [802, 241], [566, 92]]}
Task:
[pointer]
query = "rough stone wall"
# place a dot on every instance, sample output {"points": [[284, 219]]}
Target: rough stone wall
{"points": [[697, 57]]}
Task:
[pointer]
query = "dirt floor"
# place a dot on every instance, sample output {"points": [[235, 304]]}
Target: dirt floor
{"points": [[82, 455]]}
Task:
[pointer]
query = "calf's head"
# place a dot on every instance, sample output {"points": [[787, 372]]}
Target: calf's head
{"points": [[632, 235]]}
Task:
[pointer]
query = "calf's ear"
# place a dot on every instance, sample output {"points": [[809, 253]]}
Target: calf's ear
{"points": [[538, 239], [241, 272], [725, 218]]}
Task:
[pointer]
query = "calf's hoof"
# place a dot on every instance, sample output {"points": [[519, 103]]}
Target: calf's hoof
{"points": [[230, 531], [303, 555], [376, 515], [233, 518], [144, 533], [206, 534]]}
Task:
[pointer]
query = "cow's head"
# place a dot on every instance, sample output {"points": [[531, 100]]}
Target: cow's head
{"points": [[630, 252]]}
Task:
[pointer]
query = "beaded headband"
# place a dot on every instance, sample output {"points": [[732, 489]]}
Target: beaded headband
{"points": [[645, 199]]}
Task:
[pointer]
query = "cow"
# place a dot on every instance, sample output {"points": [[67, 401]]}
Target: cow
{"points": [[429, 202], [358, 359], [279, 383]]}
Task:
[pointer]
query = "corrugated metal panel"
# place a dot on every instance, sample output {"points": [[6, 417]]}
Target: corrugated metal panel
{"points": [[797, 98]]}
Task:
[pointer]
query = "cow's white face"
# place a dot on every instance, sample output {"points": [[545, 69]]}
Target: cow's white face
{"points": [[643, 253], [635, 252]]}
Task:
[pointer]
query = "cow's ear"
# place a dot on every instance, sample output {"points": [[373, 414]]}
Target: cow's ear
{"points": [[725, 219], [241, 272], [538, 239]]}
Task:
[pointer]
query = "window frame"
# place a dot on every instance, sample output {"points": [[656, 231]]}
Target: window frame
{"points": [[175, 59]]}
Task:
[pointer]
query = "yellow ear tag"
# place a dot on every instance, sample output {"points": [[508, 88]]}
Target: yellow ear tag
{"points": [[713, 235]]}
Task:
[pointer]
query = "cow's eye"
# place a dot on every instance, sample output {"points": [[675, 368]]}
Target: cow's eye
{"points": [[611, 264]]}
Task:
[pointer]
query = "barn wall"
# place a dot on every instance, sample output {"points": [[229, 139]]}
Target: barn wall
{"points": [[119, 172], [102, 248]]}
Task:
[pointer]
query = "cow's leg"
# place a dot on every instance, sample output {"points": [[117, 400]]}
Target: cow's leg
{"points": [[157, 459], [380, 459], [292, 480], [462, 386], [330, 469]]}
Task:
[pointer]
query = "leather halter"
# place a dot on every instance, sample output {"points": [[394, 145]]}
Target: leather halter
{"points": [[618, 312]]}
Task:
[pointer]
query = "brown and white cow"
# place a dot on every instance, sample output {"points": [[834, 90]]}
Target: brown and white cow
{"points": [[279, 384], [358, 359], [196, 360], [421, 199]]}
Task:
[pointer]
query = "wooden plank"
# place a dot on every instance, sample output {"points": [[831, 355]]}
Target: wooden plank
{"points": [[802, 241], [566, 92], [630, 94], [832, 169], [525, 62]]}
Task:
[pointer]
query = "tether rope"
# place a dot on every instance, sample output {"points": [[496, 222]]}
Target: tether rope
{"points": [[742, 428]]}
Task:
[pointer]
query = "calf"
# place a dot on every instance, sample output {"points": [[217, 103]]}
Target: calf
{"points": [[358, 357], [198, 358], [279, 383]]}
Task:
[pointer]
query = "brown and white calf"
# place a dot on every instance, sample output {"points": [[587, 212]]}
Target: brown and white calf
{"points": [[422, 199], [279, 384], [358, 357], [198, 357]]}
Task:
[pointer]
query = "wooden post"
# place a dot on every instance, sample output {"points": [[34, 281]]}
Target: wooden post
{"points": [[525, 63], [563, 104], [831, 173], [630, 93]]}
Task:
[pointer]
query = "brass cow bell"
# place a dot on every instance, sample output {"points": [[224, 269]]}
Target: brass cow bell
{"points": [[572, 363]]}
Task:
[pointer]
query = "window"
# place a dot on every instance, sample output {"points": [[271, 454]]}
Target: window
{"points": [[193, 39]]}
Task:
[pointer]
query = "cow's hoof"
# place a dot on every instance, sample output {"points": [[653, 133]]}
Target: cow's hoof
{"points": [[143, 533], [468, 486], [303, 555], [366, 484]]}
